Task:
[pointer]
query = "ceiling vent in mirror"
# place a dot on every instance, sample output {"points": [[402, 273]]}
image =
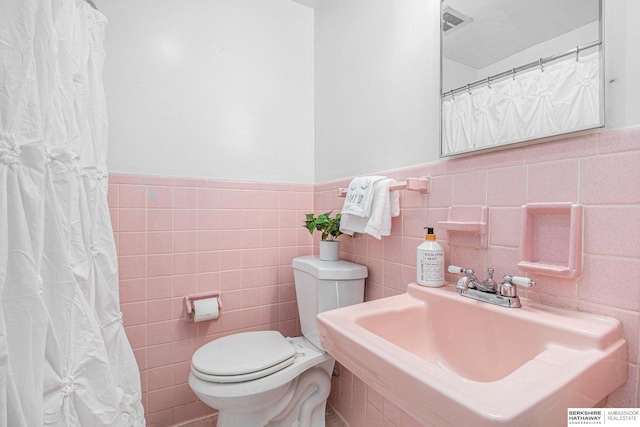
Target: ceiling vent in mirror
{"points": [[452, 20]]}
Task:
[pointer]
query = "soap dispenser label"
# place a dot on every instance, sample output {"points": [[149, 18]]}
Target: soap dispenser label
{"points": [[432, 266]]}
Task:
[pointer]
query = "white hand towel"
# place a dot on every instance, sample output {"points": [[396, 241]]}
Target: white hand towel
{"points": [[360, 196], [384, 205], [391, 210], [350, 224], [379, 223]]}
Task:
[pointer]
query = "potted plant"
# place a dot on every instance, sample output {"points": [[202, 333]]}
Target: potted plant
{"points": [[330, 229]]}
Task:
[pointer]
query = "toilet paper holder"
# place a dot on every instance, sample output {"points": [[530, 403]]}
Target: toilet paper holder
{"points": [[189, 299]]}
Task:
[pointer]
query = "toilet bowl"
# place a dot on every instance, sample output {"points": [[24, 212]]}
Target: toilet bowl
{"points": [[264, 379], [267, 400]]}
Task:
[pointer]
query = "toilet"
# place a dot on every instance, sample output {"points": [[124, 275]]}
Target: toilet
{"points": [[264, 379]]}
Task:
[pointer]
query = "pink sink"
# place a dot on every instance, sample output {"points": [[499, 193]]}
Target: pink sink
{"points": [[449, 360]]}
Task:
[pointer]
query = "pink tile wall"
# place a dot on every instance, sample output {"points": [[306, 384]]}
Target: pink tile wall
{"points": [[176, 237], [599, 171]]}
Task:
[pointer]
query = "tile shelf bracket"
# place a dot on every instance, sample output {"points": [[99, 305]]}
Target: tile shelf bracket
{"points": [[470, 220], [412, 184], [552, 227]]}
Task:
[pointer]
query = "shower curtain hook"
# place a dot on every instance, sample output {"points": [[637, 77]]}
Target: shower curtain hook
{"points": [[453, 96], [469, 89], [513, 73], [577, 53], [541, 65], [488, 83]]}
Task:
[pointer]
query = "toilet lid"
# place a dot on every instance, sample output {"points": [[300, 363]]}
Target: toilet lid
{"points": [[243, 357]]}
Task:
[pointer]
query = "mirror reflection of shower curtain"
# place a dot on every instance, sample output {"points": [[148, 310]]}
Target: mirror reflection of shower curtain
{"points": [[64, 356], [563, 97]]}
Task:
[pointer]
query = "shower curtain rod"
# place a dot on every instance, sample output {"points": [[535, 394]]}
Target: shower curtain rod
{"points": [[514, 71]]}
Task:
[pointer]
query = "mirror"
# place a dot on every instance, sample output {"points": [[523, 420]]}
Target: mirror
{"points": [[519, 70]]}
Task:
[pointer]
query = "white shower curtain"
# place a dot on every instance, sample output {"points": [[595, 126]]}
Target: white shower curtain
{"points": [[64, 356], [565, 97]]}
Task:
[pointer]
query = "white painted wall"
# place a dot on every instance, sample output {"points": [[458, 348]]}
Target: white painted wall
{"points": [[376, 85], [225, 88], [210, 88], [454, 72], [375, 97], [578, 37], [622, 63]]}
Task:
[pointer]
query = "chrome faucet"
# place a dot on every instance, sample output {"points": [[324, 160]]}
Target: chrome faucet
{"points": [[487, 285], [470, 281], [505, 294]]}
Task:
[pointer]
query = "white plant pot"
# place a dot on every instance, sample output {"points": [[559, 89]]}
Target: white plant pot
{"points": [[329, 250]]}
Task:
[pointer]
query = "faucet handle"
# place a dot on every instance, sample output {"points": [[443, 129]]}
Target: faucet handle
{"points": [[459, 270], [522, 281], [508, 288]]}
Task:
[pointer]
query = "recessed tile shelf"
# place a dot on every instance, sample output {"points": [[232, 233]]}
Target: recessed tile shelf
{"points": [[551, 242], [464, 223]]}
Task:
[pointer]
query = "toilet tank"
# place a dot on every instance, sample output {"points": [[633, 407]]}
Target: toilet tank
{"points": [[325, 285]]}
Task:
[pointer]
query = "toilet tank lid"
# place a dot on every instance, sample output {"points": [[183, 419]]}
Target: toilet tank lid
{"points": [[330, 270]]}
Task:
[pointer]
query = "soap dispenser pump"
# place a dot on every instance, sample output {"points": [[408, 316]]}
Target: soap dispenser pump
{"points": [[430, 261]]}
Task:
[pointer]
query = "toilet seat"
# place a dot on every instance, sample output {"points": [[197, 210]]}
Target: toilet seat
{"points": [[243, 357]]}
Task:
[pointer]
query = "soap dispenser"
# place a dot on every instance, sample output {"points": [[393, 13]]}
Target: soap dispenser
{"points": [[430, 261]]}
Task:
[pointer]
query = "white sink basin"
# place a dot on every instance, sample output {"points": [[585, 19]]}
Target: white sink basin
{"points": [[449, 360]]}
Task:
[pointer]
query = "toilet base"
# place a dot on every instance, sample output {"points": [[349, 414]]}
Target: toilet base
{"points": [[293, 396], [303, 404]]}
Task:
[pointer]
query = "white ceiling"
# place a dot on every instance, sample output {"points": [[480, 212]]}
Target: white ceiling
{"points": [[501, 28]]}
